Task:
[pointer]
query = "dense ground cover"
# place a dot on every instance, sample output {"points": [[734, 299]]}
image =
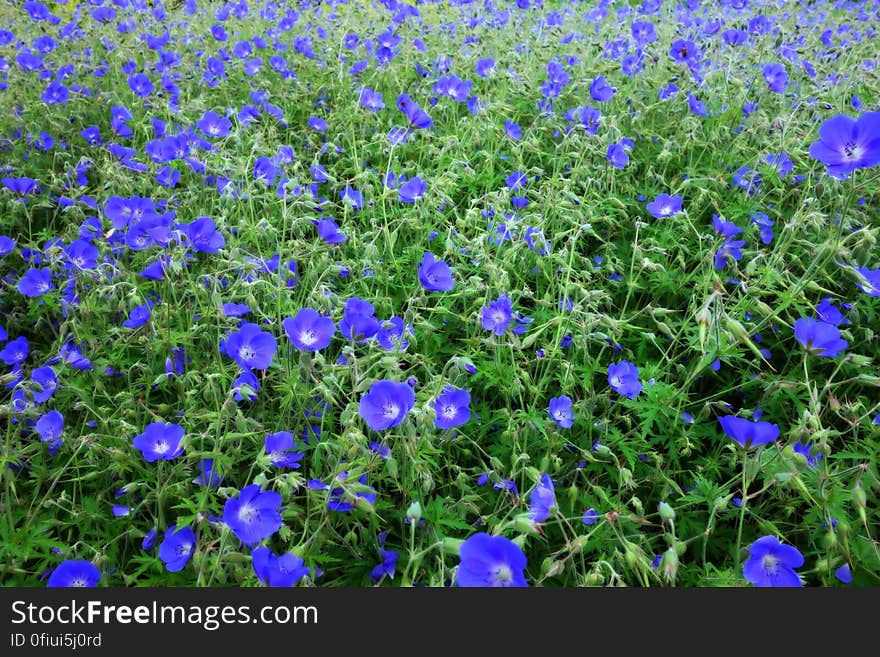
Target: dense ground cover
{"points": [[312, 293]]}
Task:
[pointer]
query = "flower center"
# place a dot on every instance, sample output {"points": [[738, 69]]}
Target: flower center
{"points": [[161, 446], [79, 582], [498, 317], [503, 575], [449, 411], [666, 209], [390, 411], [308, 337], [852, 151], [247, 514], [246, 353], [182, 549], [770, 564]]}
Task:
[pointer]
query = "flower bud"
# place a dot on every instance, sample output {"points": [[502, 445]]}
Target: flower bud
{"points": [[414, 512], [667, 513], [669, 565], [452, 545]]}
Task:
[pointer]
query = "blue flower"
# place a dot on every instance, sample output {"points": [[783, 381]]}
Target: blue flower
{"points": [[160, 441], [665, 205], [74, 573], [388, 565], [358, 321], [590, 517], [177, 547], [280, 448], [138, 316], [16, 351], [253, 515], [50, 426], [542, 500], [272, 570], [623, 377], [35, 282], [560, 411], [209, 474], [819, 338], [771, 563], [435, 275], [250, 347], [844, 574], [308, 330], [748, 433], [386, 404], [497, 315], [490, 561], [451, 408], [412, 190]]}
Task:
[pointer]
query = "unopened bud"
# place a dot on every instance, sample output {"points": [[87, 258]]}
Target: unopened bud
{"points": [[667, 513], [452, 545], [669, 564], [551, 567], [859, 496], [414, 512]]}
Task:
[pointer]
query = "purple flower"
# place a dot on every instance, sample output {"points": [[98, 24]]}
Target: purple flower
{"points": [[617, 156], [776, 77], [358, 321], [308, 330], [771, 563], [590, 517], [328, 230], [50, 426], [412, 190], [451, 408], [280, 447], [250, 347], [844, 574], [253, 515], [317, 123], [388, 565], [870, 283], [177, 547], [542, 500], [623, 377], [74, 573], [560, 411], [386, 404], [372, 100], [392, 334], [725, 228], [16, 351], [748, 433], [664, 205], [829, 313], [729, 249], [213, 125], [819, 338], [138, 316], [203, 235], [160, 441], [283, 571], [435, 275], [600, 90], [684, 51], [35, 282], [846, 144], [497, 315], [140, 84], [209, 474], [490, 561], [765, 224]]}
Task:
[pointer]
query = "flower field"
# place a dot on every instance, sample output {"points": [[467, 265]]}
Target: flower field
{"points": [[453, 293]]}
